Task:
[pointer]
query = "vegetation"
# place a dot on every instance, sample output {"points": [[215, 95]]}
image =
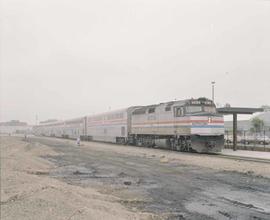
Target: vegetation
{"points": [[257, 124]]}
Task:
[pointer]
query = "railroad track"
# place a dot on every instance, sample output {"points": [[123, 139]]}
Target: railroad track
{"points": [[220, 155], [231, 157]]}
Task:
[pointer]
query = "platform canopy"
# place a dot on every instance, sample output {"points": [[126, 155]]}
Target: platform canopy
{"points": [[238, 110], [235, 111]]}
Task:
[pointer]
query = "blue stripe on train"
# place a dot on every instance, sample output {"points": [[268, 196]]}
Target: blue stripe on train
{"points": [[207, 126]]}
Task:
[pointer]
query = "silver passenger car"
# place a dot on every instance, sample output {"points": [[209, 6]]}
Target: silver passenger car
{"points": [[113, 126]]}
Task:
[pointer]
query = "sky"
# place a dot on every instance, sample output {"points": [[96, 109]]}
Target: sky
{"points": [[64, 59]]}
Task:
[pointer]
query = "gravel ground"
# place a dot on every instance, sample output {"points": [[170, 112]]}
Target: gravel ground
{"points": [[55, 179]]}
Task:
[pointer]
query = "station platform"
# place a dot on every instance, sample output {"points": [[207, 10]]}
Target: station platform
{"points": [[247, 153], [250, 147]]}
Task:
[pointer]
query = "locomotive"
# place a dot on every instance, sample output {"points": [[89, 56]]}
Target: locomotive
{"points": [[191, 125]]}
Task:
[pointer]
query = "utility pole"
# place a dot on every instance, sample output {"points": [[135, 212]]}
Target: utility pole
{"points": [[264, 139], [213, 90], [234, 131]]}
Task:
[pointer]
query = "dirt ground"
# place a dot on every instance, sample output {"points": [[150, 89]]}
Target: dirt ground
{"points": [[46, 178], [27, 192]]}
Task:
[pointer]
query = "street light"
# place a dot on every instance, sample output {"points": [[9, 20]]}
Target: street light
{"points": [[213, 90]]}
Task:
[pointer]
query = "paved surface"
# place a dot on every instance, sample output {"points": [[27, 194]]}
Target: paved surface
{"points": [[250, 147], [167, 188], [247, 153]]}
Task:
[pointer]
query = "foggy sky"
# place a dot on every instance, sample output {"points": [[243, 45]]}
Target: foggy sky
{"points": [[63, 59]]}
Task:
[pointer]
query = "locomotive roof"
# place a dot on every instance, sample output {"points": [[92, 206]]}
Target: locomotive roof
{"points": [[165, 103], [170, 103]]}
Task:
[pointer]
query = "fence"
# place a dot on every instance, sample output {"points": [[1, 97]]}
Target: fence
{"points": [[248, 140]]}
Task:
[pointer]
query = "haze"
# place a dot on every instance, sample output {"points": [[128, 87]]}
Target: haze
{"points": [[64, 59]]}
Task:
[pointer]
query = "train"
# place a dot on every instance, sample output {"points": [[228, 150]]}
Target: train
{"points": [[191, 125]]}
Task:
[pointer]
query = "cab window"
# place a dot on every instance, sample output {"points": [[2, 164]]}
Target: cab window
{"points": [[151, 110], [179, 112], [168, 108]]}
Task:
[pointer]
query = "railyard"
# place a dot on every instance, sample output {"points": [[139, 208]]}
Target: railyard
{"points": [[122, 110], [49, 178]]}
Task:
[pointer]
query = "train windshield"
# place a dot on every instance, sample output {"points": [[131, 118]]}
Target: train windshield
{"points": [[194, 109], [210, 109]]}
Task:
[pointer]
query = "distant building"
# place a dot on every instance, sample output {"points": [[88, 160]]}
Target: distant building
{"points": [[48, 121], [13, 123], [15, 126]]}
